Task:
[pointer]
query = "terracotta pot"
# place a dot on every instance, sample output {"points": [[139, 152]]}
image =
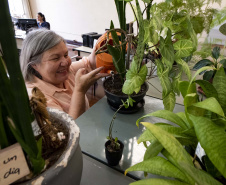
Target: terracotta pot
{"points": [[105, 59], [113, 158], [68, 169]]}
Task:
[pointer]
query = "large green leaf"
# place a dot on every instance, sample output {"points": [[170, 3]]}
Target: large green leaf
{"points": [[182, 115], [183, 48], [159, 166], [210, 104], [208, 75], [164, 79], [213, 140], [202, 63], [181, 158], [154, 181], [173, 146], [153, 150], [169, 101], [166, 47], [219, 82], [207, 88], [167, 115], [134, 81], [216, 52]]}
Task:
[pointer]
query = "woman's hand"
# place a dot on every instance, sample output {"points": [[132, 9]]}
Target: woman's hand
{"points": [[92, 58], [84, 78]]}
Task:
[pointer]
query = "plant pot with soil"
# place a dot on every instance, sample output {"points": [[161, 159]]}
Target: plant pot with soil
{"points": [[114, 147], [115, 96], [67, 169]]}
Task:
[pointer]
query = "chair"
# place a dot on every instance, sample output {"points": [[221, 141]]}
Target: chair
{"points": [[48, 25]]}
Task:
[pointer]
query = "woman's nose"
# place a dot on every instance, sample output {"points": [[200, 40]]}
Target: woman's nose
{"points": [[64, 62]]}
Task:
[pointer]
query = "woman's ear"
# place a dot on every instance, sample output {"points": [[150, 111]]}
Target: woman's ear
{"points": [[34, 66]]}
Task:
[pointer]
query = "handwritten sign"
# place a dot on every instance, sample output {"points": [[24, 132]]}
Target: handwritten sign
{"points": [[13, 165]]}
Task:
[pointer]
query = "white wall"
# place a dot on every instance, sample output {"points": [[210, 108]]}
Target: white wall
{"points": [[72, 18]]}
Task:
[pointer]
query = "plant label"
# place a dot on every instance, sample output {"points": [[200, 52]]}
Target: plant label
{"points": [[13, 165]]}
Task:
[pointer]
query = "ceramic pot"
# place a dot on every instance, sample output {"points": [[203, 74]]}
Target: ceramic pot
{"points": [[115, 100], [68, 169], [113, 158]]}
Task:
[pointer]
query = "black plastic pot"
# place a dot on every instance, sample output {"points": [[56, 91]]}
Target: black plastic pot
{"points": [[115, 101], [113, 158]]}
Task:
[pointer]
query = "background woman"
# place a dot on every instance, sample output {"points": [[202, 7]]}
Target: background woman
{"points": [[42, 21], [45, 64]]}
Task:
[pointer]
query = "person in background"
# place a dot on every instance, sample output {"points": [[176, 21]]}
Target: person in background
{"points": [[45, 64], [42, 21]]}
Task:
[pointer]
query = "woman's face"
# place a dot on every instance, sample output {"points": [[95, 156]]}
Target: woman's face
{"points": [[54, 66], [39, 18]]}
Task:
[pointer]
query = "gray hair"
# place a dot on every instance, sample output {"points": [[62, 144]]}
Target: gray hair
{"points": [[35, 44]]}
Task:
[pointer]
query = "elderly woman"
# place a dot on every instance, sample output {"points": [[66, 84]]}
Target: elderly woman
{"points": [[45, 64]]}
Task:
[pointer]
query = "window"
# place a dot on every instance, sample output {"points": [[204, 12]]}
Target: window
{"points": [[19, 8]]}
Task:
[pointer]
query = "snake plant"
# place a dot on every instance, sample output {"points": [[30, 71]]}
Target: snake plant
{"points": [[15, 112]]}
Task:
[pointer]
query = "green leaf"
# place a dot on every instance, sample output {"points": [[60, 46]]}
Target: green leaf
{"points": [[208, 75], [164, 79], [116, 54], [166, 47], [183, 48], [213, 140], [219, 82], [190, 99], [134, 81], [184, 118], [114, 34], [222, 29], [210, 104], [153, 150], [169, 101], [154, 181], [159, 166], [167, 115], [174, 148], [146, 136], [202, 63], [185, 67], [207, 88], [216, 52], [199, 71], [183, 87], [223, 62]]}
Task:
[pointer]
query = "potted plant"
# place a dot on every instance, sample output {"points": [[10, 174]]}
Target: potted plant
{"points": [[16, 117], [113, 147], [203, 122], [165, 40], [215, 60]]}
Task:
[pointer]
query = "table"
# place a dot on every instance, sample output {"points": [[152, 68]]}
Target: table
{"points": [[83, 49], [94, 125]]}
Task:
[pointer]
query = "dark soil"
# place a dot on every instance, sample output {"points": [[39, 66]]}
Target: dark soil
{"points": [[115, 86], [53, 154]]}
